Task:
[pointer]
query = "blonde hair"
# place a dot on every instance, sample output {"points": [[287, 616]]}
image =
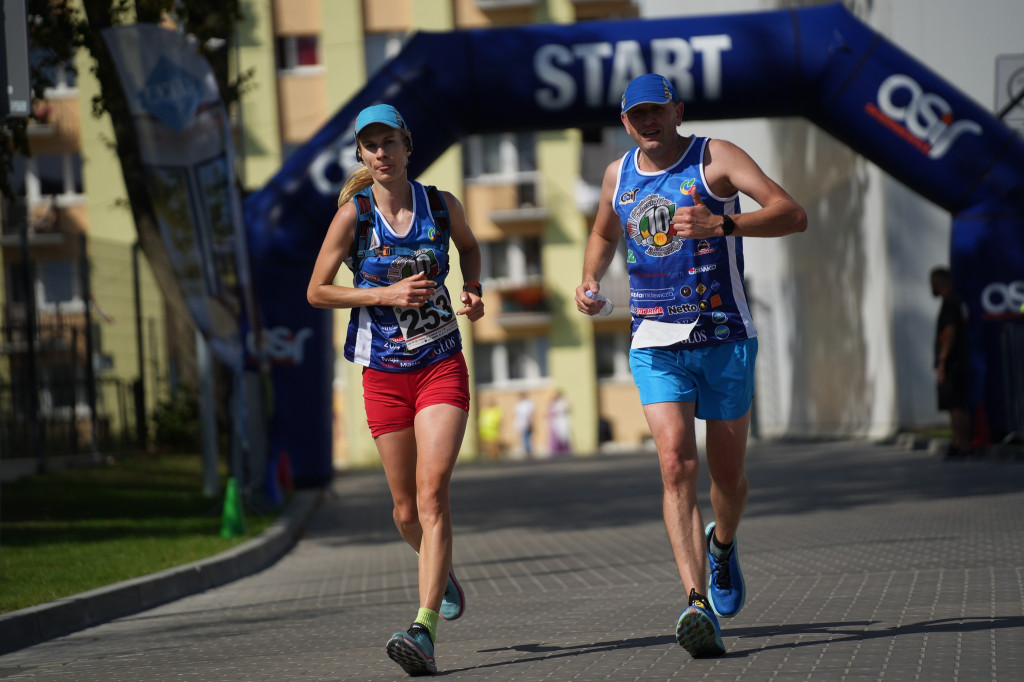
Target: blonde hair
{"points": [[360, 178]]}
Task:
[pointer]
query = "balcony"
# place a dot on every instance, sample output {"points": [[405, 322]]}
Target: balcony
{"points": [[524, 304], [605, 9], [506, 204]]}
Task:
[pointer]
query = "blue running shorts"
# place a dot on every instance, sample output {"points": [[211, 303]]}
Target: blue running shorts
{"points": [[720, 378]]}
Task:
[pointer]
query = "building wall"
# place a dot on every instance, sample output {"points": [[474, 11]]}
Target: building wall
{"points": [[111, 231], [848, 304], [872, 236]]}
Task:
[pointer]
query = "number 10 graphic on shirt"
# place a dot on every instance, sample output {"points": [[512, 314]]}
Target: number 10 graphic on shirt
{"points": [[435, 319], [650, 225]]}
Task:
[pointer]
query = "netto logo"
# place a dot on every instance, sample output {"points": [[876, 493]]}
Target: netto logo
{"points": [[925, 120]]}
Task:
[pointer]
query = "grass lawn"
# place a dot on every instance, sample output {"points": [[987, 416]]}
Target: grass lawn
{"points": [[76, 530]]}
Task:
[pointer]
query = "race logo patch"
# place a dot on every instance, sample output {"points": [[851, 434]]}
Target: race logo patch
{"points": [[424, 261], [650, 226]]}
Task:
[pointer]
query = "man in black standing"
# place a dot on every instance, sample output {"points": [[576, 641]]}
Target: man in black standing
{"points": [[951, 360]]}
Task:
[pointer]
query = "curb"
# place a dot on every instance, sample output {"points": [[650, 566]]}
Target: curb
{"points": [[35, 624]]}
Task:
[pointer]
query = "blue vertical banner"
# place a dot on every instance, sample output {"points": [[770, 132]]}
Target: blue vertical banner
{"points": [[184, 138]]}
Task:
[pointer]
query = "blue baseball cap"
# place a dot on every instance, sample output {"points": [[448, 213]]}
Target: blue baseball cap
{"points": [[650, 88], [380, 113]]}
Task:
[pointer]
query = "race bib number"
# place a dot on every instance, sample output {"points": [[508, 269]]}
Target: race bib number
{"points": [[433, 320]]}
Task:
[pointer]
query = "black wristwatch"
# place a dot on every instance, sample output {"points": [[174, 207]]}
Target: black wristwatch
{"points": [[728, 226], [470, 285]]}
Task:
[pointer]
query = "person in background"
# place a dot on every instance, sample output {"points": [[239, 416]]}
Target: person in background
{"points": [[675, 199], [559, 425], [951, 360], [394, 234], [523, 418], [489, 425]]}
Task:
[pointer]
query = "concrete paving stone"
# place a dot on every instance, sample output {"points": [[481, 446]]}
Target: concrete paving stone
{"points": [[862, 562]]}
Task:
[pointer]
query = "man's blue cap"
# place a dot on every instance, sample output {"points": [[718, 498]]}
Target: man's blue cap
{"points": [[380, 113], [649, 88]]}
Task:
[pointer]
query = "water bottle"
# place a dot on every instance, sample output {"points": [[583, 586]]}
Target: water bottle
{"points": [[607, 308]]}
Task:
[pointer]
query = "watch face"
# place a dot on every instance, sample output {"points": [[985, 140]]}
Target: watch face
{"points": [[728, 226]]}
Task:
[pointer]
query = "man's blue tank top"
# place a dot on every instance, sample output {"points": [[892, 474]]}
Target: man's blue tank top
{"points": [[677, 280], [404, 339]]}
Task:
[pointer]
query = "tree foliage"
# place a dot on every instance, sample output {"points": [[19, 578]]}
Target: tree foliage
{"points": [[58, 29]]}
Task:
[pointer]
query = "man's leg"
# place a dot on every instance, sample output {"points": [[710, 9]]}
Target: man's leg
{"points": [[671, 424], [727, 449], [726, 454], [961, 422]]}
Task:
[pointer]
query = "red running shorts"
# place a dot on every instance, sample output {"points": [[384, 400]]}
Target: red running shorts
{"points": [[392, 399]]}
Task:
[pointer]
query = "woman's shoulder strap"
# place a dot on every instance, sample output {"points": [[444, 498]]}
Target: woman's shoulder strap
{"points": [[364, 225]]}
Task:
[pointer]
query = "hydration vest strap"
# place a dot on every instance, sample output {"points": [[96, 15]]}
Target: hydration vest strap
{"points": [[439, 210], [364, 225]]}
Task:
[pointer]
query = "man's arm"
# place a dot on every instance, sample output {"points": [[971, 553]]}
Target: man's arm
{"points": [[602, 243], [946, 338], [729, 169]]}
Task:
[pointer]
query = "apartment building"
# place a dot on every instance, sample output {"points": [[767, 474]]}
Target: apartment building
{"points": [[83, 321], [529, 197]]}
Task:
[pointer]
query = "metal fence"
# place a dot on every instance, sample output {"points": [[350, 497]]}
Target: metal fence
{"points": [[64, 424], [51, 402]]}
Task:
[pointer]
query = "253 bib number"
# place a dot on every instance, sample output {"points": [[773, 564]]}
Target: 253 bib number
{"points": [[434, 320]]}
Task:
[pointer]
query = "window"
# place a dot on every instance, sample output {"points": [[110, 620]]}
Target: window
{"points": [[294, 52], [56, 285], [379, 48], [507, 154], [43, 175], [516, 261], [517, 361], [611, 351], [59, 76], [599, 148], [56, 279]]}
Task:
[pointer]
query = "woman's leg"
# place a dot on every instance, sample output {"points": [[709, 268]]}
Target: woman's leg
{"points": [[439, 430], [398, 455]]}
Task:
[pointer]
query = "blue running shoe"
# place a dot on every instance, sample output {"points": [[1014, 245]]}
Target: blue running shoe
{"points": [[726, 589], [697, 630], [454, 603], [413, 650]]}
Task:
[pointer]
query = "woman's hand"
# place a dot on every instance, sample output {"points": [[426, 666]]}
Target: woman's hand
{"points": [[474, 306], [411, 292]]}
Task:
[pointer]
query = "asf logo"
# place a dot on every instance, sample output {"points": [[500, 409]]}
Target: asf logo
{"points": [[923, 119]]}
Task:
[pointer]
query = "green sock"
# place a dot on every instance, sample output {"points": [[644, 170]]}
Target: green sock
{"points": [[428, 619]]}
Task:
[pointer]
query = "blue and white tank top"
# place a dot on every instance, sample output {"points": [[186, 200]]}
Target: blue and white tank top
{"points": [[675, 280], [395, 339]]}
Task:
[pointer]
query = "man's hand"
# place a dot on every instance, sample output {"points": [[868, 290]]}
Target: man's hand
{"points": [[697, 221], [584, 303]]}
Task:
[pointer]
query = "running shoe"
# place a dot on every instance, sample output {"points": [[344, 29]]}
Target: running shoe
{"points": [[697, 630], [726, 589], [413, 650], [454, 603]]}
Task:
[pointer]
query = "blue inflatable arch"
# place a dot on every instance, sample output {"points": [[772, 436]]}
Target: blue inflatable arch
{"points": [[820, 63]]}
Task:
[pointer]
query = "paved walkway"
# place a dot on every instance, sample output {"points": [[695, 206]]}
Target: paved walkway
{"points": [[862, 562]]}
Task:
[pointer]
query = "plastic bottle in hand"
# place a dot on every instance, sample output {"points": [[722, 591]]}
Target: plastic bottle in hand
{"points": [[607, 308]]}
